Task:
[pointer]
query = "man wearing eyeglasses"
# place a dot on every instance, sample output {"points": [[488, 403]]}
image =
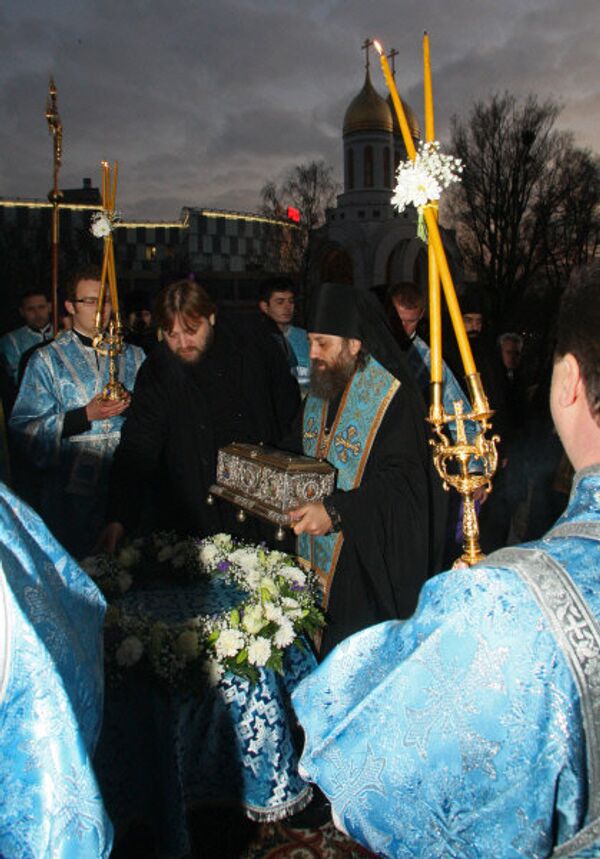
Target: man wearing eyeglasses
{"points": [[62, 424]]}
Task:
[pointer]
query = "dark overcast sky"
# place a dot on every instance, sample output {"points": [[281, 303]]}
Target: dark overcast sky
{"points": [[202, 100]]}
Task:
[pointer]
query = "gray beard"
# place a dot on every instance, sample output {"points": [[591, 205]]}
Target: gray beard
{"points": [[328, 383]]}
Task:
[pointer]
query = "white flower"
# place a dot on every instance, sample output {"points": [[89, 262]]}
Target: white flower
{"points": [[229, 643], [423, 180], [275, 558], [209, 554], [222, 542], [124, 581], [285, 635], [273, 612], [246, 559], [130, 651], [259, 651], [128, 557], [291, 607], [252, 578], [254, 619], [293, 574], [101, 225], [269, 586]]}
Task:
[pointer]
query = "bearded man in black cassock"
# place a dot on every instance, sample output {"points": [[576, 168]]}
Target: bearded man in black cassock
{"points": [[208, 383], [378, 537]]}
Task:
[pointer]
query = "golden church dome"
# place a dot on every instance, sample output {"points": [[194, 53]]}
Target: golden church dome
{"points": [[413, 122], [368, 111]]}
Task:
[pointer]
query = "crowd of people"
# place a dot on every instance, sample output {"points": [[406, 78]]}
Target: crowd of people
{"points": [[452, 714]]}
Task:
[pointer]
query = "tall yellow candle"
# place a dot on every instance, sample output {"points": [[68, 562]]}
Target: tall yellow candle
{"points": [[429, 121], [435, 298], [435, 239], [402, 121]]}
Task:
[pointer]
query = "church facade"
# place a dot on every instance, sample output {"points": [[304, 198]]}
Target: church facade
{"points": [[365, 241]]}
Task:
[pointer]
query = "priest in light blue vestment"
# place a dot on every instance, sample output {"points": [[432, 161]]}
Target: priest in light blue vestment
{"points": [[63, 427], [35, 309], [51, 690], [473, 729]]}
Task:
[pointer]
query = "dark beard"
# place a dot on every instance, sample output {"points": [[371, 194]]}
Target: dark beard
{"points": [[329, 382]]}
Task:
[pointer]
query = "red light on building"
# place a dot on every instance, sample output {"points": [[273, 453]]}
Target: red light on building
{"points": [[293, 214]]}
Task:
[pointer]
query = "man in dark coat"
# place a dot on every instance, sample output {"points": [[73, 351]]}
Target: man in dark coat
{"points": [[378, 537], [208, 383]]}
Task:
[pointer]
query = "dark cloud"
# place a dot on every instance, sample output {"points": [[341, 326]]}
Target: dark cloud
{"points": [[201, 102]]}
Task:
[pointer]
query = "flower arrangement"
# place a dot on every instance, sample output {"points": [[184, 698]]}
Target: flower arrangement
{"points": [[279, 605], [103, 223], [421, 181]]}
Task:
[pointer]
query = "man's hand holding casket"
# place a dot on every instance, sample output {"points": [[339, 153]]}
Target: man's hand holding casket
{"points": [[311, 519]]}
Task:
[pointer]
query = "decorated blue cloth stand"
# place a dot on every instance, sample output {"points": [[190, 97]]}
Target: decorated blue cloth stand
{"points": [[164, 751]]}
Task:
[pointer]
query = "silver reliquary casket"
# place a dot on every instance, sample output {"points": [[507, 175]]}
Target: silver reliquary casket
{"points": [[268, 482]]}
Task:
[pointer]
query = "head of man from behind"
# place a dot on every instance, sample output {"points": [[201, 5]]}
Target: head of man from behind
{"points": [[511, 348], [81, 302], [575, 388], [278, 301], [186, 315], [35, 308], [408, 302]]}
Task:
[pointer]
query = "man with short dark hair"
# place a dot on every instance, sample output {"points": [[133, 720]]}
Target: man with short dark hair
{"points": [[408, 303], [373, 542], [211, 381], [34, 308], [277, 304], [63, 425], [472, 729]]}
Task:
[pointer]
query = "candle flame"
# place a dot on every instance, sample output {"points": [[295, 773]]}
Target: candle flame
{"points": [[377, 46]]}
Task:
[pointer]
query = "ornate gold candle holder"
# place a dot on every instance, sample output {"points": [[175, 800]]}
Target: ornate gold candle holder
{"points": [[468, 466], [110, 344]]}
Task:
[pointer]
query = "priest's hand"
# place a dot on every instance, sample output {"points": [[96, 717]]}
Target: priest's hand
{"points": [[311, 519], [99, 409], [110, 538]]}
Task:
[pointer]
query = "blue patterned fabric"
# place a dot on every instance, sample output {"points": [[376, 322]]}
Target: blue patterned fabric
{"points": [[459, 732], [51, 688], [298, 340], [61, 377], [163, 751], [14, 344], [419, 358], [347, 448]]}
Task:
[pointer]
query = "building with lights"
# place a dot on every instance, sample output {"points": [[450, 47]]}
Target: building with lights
{"points": [[230, 252]]}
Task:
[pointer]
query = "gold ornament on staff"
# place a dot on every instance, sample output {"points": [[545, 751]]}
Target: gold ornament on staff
{"points": [[108, 343], [466, 465], [55, 130]]}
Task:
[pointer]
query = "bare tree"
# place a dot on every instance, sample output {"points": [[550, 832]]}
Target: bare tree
{"points": [[311, 189], [528, 201]]}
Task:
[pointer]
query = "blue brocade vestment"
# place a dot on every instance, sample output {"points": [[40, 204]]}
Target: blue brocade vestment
{"points": [[62, 377], [14, 345], [51, 685], [472, 729]]}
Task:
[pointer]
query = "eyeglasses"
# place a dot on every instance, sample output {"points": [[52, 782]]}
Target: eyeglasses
{"points": [[89, 301]]}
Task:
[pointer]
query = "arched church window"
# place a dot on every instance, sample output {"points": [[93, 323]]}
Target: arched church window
{"points": [[368, 167], [350, 169], [387, 179]]}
